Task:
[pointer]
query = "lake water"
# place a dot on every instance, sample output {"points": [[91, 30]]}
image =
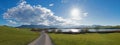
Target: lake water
{"points": [[90, 30]]}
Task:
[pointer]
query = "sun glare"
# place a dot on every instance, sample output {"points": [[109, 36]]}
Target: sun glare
{"points": [[75, 13]]}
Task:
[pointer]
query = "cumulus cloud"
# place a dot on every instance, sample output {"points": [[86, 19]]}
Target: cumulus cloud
{"points": [[51, 4], [11, 22], [25, 14]]}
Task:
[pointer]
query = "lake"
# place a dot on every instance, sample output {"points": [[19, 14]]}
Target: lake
{"points": [[90, 30]]}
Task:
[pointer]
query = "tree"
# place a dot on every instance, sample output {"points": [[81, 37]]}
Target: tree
{"points": [[85, 30], [97, 28], [33, 29], [59, 31]]}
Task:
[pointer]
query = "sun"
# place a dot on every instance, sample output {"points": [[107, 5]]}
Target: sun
{"points": [[75, 13]]}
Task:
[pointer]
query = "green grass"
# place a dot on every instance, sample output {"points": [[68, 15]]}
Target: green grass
{"points": [[86, 39], [16, 36]]}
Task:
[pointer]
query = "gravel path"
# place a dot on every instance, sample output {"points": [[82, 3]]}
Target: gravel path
{"points": [[44, 39]]}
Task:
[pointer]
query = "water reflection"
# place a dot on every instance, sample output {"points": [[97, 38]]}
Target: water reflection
{"points": [[89, 30]]}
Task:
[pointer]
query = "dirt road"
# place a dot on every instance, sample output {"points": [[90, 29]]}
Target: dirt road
{"points": [[44, 39]]}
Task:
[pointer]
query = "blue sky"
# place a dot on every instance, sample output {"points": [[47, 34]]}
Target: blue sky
{"points": [[99, 12]]}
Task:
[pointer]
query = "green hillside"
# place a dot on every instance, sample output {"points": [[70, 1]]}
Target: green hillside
{"points": [[16, 36]]}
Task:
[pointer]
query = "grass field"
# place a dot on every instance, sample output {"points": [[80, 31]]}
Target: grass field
{"points": [[86, 39], [16, 36]]}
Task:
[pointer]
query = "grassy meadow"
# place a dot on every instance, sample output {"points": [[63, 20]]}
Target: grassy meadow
{"points": [[16, 36], [86, 39]]}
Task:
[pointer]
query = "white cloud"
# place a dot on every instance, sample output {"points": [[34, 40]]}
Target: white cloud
{"points": [[25, 14], [85, 14], [51, 4], [11, 22]]}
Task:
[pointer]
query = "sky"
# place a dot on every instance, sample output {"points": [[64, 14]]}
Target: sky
{"points": [[59, 12]]}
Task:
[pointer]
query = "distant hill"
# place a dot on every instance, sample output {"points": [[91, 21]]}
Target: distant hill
{"points": [[43, 26], [36, 26]]}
